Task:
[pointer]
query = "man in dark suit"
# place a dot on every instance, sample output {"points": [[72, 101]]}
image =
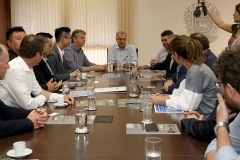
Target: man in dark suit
{"points": [[15, 120], [55, 58], [14, 37], [168, 64], [42, 71]]}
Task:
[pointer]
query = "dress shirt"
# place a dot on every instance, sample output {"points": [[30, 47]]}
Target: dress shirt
{"points": [[45, 60], [75, 58], [19, 84], [161, 56], [61, 52], [126, 55], [228, 152]]}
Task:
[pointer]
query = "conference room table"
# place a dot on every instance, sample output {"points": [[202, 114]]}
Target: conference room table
{"points": [[106, 141]]}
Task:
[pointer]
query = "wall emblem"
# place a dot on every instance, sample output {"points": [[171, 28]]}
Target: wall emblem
{"points": [[202, 24]]}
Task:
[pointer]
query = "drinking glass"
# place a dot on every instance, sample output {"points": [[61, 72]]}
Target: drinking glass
{"points": [[153, 148], [119, 66], [91, 100], [147, 112], [65, 88], [81, 120]]}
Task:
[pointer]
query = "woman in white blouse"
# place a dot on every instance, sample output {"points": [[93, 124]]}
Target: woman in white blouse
{"points": [[197, 91]]}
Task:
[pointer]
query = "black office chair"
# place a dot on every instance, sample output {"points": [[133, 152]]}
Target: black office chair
{"points": [[136, 53]]}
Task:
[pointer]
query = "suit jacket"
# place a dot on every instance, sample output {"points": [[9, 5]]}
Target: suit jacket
{"points": [[45, 73], [40, 80], [165, 65], [202, 130], [12, 54], [14, 120], [55, 62]]}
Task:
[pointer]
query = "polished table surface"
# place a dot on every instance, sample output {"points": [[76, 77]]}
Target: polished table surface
{"points": [[105, 141]]}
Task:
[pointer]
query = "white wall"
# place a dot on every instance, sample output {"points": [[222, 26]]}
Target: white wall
{"points": [[151, 17]]}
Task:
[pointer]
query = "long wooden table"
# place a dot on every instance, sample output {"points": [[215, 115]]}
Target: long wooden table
{"points": [[105, 141]]}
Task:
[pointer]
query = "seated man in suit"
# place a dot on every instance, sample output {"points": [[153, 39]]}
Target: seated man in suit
{"points": [[74, 57], [122, 52], [162, 54], [20, 84], [16, 120], [14, 37], [42, 71], [210, 57], [55, 58], [169, 64]]}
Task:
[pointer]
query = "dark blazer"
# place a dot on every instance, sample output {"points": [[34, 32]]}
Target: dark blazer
{"points": [[40, 80], [165, 65], [201, 130], [12, 55], [55, 62], [44, 71], [177, 78], [210, 59], [14, 120]]}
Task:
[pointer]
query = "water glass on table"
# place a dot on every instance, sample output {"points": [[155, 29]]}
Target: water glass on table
{"points": [[91, 100], [147, 112], [153, 148], [119, 66], [65, 88], [81, 120], [145, 97]]}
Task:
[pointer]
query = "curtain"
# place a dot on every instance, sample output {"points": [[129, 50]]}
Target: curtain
{"points": [[101, 19]]}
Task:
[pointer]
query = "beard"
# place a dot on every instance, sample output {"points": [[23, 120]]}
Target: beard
{"points": [[231, 104]]}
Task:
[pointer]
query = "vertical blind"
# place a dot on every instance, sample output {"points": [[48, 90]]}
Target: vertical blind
{"points": [[101, 19]]}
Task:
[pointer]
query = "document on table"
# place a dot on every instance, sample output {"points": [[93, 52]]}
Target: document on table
{"points": [[163, 129], [121, 89], [68, 119], [165, 109]]}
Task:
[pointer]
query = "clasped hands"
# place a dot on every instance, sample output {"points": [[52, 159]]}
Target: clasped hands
{"points": [[38, 117]]}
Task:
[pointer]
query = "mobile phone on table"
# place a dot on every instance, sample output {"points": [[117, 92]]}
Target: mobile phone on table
{"points": [[151, 127]]}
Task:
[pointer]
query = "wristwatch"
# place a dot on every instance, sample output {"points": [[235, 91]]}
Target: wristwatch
{"points": [[221, 124]]}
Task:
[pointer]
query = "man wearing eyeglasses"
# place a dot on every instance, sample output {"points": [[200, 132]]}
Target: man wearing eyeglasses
{"points": [[227, 144], [55, 58]]}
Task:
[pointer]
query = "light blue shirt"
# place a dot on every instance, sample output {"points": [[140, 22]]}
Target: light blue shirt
{"points": [[228, 152], [162, 54], [126, 55]]}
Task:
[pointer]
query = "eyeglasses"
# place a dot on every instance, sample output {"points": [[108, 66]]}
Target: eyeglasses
{"points": [[218, 83]]}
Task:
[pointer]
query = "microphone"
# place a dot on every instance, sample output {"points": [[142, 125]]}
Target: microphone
{"points": [[197, 12]]}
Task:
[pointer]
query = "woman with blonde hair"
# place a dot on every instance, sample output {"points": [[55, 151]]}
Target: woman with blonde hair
{"points": [[197, 91]]}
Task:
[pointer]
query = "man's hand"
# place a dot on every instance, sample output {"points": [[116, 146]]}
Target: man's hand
{"points": [[45, 94], [38, 118], [42, 117], [222, 110], [100, 67], [158, 99], [159, 74], [167, 84], [143, 67], [193, 114], [74, 73], [52, 86], [153, 62], [59, 84], [69, 99]]}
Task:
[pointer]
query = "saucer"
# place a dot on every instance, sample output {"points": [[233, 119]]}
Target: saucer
{"points": [[11, 153], [60, 105]]}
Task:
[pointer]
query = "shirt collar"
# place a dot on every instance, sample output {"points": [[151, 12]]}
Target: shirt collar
{"points": [[23, 63], [75, 48], [60, 51], [126, 47]]}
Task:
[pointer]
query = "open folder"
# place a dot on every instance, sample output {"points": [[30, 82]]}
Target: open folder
{"points": [[121, 89]]}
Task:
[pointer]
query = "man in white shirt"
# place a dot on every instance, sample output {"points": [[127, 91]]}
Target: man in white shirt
{"points": [[20, 87], [122, 52]]}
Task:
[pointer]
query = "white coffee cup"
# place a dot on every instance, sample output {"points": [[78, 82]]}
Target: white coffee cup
{"points": [[19, 148], [83, 75], [60, 100]]}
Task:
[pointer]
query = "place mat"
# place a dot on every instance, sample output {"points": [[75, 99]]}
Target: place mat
{"points": [[163, 129], [99, 103], [68, 119], [130, 103], [103, 119], [151, 78], [111, 75]]}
